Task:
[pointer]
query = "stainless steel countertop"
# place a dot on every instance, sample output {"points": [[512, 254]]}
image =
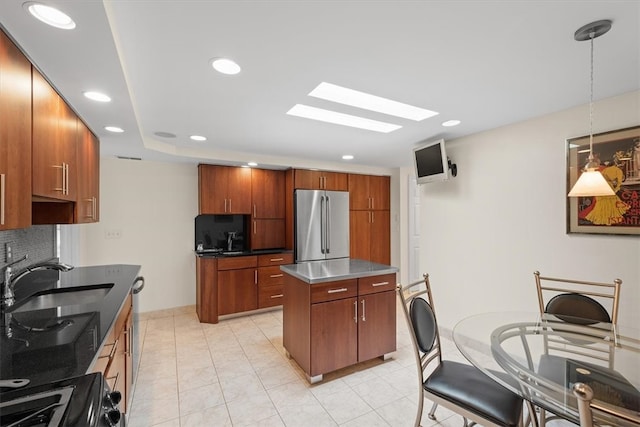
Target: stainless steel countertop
{"points": [[336, 269]]}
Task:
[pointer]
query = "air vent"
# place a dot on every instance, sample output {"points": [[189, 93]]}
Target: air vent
{"points": [[129, 158]]}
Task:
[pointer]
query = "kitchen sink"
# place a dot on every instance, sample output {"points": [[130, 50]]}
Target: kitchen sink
{"points": [[65, 296]]}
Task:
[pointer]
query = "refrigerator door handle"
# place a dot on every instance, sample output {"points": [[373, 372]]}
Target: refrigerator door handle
{"points": [[322, 227], [327, 243]]}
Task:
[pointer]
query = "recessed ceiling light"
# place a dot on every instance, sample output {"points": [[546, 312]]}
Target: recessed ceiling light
{"points": [[50, 15], [347, 157], [97, 96], [198, 138], [341, 119], [165, 134], [450, 123], [225, 66], [252, 164], [354, 98], [114, 129]]}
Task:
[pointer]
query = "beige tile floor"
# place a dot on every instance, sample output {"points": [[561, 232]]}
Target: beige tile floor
{"points": [[235, 373]]}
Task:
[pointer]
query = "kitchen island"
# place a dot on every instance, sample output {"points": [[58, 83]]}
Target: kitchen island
{"points": [[337, 313]]}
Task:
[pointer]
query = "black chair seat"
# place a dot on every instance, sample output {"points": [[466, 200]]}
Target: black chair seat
{"points": [[469, 388]]}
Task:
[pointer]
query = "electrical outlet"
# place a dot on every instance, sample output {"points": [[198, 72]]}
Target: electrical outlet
{"points": [[112, 234], [8, 253]]}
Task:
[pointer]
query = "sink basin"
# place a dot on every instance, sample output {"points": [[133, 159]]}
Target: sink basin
{"points": [[65, 296]]}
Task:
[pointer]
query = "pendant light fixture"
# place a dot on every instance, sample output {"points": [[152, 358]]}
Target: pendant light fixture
{"points": [[591, 182]]}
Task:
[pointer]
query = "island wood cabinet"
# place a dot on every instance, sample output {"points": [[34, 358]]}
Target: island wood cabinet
{"points": [[320, 180], [115, 362], [87, 207], [237, 284], [332, 325], [268, 209], [15, 136], [53, 143], [224, 190]]}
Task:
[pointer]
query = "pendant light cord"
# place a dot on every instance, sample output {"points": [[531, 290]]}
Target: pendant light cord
{"points": [[591, 158]]}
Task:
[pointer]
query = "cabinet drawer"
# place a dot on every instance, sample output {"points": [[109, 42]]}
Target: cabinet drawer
{"points": [[270, 276], [373, 284], [269, 296], [334, 290], [234, 263], [275, 259]]}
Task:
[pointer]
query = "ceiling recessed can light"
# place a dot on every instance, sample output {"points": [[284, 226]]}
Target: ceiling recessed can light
{"points": [[347, 157], [225, 66], [198, 138], [334, 117], [114, 129], [252, 164], [450, 123], [50, 15], [354, 98], [97, 96]]}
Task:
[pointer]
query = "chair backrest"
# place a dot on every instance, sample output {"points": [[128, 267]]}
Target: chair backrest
{"points": [[578, 301], [417, 305]]}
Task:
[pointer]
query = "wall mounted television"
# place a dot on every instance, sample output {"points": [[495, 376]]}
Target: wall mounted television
{"points": [[431, 162]]}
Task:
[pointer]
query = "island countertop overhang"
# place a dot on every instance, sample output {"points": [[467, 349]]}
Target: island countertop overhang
{"points": [[336, 269]]}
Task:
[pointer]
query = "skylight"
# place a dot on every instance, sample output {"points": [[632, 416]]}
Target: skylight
{"points": [[334, 117], [354, 98]]}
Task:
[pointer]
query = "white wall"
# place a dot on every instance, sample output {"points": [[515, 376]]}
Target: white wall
{"points": [[484, 232], [153, 206]]}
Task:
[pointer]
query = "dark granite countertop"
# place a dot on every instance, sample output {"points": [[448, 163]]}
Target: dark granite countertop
{"points": [[73, 334], [215, 253]]}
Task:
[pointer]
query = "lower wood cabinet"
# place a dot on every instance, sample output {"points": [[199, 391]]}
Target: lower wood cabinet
{"points": [[115, 362], [238, 284], [332, 325]]}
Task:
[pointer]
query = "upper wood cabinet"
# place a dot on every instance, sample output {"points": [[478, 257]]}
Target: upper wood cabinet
{"points": [[53, 143], [369, 192], [224, 190], [88, 154], [370, 236], [320, 180], [15, 136], [267, 193]]}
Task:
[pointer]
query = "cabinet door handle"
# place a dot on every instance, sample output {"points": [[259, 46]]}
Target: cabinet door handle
{"points": [[276, 259], [335, 291], [373, 203], [95, 208], [355, 311], [363, 315], [379, 284], [66, 168], [92, 208], [273, 276], [2, 197], [115, 382], [61, 167], [230, 210], [254, 209], [255, 276], [276, 296], [225, 205], [373, 217]]}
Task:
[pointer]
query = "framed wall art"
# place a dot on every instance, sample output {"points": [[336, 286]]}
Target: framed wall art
{"points": [[618, 153]]}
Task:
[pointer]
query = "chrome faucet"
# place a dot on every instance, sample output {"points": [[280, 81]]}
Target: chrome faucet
{"points": [[8, 296], [230, 236]]}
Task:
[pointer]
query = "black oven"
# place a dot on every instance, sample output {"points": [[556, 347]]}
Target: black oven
{"points": [[84, 401]]}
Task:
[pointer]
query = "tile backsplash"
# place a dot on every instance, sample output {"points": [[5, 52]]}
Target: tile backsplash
{"points": [[38, 241]]}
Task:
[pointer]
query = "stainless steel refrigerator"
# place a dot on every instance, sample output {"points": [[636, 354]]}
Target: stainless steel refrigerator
{"points": [[321, 225]]}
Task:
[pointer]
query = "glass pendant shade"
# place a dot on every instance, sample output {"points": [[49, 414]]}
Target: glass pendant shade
{"points": [[591, 183]]}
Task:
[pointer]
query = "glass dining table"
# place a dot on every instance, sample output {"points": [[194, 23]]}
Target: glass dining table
{"points": [[541, 357]]}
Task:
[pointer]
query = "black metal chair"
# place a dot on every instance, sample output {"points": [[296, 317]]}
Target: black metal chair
{"points": [[459, 387]]}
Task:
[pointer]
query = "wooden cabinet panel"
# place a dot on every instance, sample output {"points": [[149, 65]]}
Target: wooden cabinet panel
{"points": [[370, 236], [268, 276], [236, 262], [267, 234], [320, 180], [207, 289], [379, 190], [369, 192], [15, 136], [267, 193], [334, 342], [374, 284], [53, 143], [270, 296], [275, 259], [224, 190], [237, 291], [87, 207], [376, 325]]}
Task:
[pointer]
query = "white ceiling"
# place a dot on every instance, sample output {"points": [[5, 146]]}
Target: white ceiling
{"points": [[486, 63]]}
